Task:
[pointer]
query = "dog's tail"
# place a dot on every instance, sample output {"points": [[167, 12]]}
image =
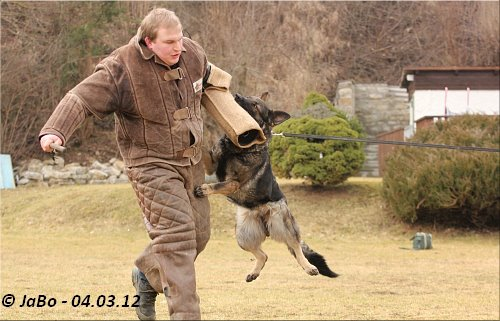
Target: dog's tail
{"points": [[317, 260]]}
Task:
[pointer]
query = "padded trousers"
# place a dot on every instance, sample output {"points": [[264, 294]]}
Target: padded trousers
{"points": [[178, 224]]}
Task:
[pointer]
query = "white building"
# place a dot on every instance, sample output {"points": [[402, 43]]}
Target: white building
{"points": [[446, 91]]}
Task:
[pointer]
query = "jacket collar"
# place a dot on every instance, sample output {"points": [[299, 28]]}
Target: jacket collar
{"points": [[146, 53]]}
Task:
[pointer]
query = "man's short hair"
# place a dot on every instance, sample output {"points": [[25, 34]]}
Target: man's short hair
{"points": [[156, 18]]}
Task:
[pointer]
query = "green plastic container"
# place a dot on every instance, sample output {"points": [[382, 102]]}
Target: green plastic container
{"points": [[422, 241]]}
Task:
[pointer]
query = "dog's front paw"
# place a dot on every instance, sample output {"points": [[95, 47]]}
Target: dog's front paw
{"points": [[201, 191]]}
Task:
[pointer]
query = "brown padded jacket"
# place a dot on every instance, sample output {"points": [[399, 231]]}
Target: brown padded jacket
{"points": [[157, 108]]}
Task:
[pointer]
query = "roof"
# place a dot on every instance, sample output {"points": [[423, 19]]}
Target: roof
{"points": [[413, 70]]}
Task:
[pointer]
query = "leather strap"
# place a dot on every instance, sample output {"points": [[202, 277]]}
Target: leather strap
{"points": [[174, 74], [188, 152]]}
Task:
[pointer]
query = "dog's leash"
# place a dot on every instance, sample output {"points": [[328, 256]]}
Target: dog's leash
{"points": [[322, 138]]}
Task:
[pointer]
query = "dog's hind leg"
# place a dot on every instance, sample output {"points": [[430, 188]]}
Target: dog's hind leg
{"points": [[261, 259], [296, 250], [318, 260], [283, 228], [250, 233]]}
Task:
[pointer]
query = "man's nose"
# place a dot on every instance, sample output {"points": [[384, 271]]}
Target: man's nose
{"points": [[178, 46]]}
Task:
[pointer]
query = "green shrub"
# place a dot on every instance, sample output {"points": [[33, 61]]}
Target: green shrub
{"points": [[327, 162], [314, 98], [318, 106], [447, 187]]}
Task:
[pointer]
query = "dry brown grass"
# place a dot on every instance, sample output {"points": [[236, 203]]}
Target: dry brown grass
{"points": [[67, 241]]}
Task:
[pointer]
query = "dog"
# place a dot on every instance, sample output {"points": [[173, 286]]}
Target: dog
{"points": [[245, 176]]}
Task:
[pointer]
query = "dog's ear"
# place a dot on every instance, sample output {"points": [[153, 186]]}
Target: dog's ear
{"points": [[278, 116], [264, 96]]}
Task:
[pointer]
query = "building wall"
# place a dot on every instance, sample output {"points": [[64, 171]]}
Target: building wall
{"points": [[385, 150], [379, 107], [432, 102]]}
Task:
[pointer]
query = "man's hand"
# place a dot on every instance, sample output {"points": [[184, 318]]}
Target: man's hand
{"points": [[48, 139]]}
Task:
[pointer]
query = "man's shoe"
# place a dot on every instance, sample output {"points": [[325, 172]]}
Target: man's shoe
{"points": [[147, 296]]}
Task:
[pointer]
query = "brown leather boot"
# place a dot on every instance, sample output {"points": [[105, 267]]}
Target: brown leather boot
{"points": [[147, 296]]}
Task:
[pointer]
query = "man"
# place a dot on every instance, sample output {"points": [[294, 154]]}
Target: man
{"points": [[153, 85]]}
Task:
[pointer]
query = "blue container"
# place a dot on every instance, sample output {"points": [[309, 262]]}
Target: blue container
{"points": [[6, 173]]}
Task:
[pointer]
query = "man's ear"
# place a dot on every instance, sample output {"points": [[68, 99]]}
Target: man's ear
{"points": [[278, 116], [147, 40], [264, 96]]}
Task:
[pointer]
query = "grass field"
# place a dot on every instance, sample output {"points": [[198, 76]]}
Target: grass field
{"points": [[71, 242]]}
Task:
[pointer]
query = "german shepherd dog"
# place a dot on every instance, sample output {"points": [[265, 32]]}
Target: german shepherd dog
{"points": [[246, 178]]}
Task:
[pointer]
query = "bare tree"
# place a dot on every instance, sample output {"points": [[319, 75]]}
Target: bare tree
{"points": [[286, 48]]}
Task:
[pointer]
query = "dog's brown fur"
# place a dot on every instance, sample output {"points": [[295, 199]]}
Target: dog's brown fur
{"points": [[246, 178]]}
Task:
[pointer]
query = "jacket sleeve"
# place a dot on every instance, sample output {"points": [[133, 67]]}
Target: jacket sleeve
{"points": [[96, 95]]}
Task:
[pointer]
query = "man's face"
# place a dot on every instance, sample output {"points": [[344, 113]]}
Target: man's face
{"points": [[167, 44]]}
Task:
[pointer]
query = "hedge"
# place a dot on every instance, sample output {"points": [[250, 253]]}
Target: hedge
{"points": [[447, 187]]}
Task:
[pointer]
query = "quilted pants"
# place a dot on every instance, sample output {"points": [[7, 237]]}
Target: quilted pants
{"points": [[178, 224]]}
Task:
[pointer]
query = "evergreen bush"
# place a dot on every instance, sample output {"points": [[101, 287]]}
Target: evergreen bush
{"points": [[447, 187], [314, 98], [327, 162]]}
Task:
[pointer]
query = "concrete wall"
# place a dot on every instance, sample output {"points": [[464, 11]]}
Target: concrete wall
{"points": [[379, 107]]}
